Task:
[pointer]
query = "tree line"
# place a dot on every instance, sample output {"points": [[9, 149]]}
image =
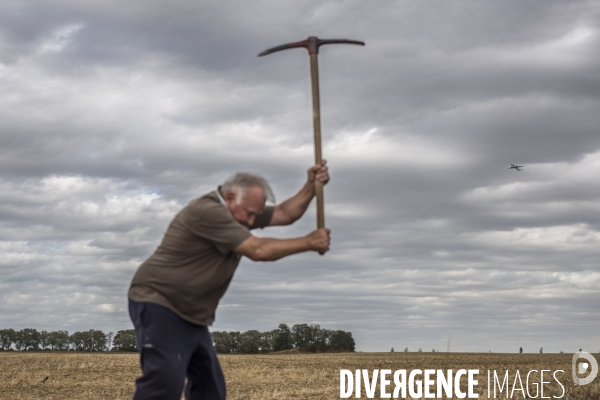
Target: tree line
{"points": [[307, 338], [30, 339]]}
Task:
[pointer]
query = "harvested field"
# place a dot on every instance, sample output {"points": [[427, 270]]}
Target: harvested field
{"points": [[276, 376]]}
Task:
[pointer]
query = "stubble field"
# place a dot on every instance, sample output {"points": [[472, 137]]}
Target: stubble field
{"points": [[277, 376]]}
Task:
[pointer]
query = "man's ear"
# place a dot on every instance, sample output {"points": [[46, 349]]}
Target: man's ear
{"points": [[229, 197]]}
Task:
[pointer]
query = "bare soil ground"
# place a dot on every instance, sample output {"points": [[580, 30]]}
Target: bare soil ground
{"points": [[277, 376]]}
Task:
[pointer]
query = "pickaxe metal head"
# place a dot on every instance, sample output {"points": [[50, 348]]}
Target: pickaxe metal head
{"points": [[312, 44]]}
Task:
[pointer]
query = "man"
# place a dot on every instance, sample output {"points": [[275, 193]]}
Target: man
{"points": [[174, 294]]}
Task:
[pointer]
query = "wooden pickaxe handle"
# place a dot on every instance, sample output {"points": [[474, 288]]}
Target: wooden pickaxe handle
{"points": [[312, 44], [314, 79]]}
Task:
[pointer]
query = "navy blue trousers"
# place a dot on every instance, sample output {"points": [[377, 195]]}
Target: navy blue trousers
{"points": [[172, 349]]}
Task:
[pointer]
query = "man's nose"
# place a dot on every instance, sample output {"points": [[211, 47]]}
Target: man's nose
{"points": [[251, 220]]}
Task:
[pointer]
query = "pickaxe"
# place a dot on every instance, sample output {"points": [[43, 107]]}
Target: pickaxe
{"points": [[312, 44]]}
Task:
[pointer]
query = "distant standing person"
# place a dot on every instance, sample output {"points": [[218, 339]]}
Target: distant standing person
{"points": [[174, 293]]}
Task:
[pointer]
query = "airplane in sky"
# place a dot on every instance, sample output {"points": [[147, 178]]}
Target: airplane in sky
{"points": [[517, 167]]}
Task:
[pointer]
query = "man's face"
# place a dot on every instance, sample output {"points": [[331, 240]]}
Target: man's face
{"points": [[249, 207]]}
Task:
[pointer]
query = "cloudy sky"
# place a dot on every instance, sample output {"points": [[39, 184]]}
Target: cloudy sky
{"points": [[114, 115]]}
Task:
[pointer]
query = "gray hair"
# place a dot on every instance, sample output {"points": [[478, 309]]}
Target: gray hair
{"points": [[242, 181]]}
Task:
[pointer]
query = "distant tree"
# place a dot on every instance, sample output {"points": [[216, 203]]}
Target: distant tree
{"points": [[32, 338], [406, 349], [27, 339], [392, 350], [323, 339], [18, 341], [235, 340], [318, 339], [78, 341], [520, 350], [52, 340], [282, 338], [44, 339], [125, 340], [59, 340], [7, 338], [341, 340], [109, 338], [541, 350], [265, 344], [249, 342], [222, 342], [311, 337], [301, 334], [420, 351], [97, 340]]}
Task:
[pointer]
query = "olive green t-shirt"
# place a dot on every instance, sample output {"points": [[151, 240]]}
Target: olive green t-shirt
{"points": [[191, 269]]}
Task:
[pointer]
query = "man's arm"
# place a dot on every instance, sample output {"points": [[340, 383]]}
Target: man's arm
{"points": [[293, 208], [268, 249]]}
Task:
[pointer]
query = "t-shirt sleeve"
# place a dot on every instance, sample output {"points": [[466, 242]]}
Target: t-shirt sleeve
{"points": [[216, 225], [264, 218]]}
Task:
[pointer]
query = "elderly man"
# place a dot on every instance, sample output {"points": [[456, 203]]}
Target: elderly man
{"points": [[174, 294]]}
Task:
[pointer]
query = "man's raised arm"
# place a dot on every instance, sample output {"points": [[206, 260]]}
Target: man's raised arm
{"points": [[293, 208], [268, 249]]}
